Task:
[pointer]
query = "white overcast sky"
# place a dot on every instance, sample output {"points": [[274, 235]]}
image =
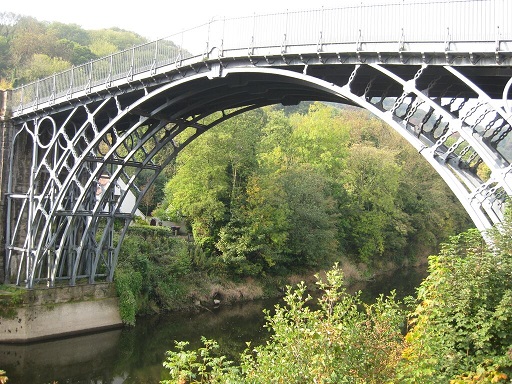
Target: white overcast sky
{"points": [[152, 18]]}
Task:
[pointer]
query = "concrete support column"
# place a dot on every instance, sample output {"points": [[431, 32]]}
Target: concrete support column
{"points": [[5, 147]]}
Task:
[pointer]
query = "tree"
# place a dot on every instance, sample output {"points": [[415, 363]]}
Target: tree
{"points": [[70, 32], [255, 238], [432, 212], [211, 175], [4, 56], [155, 193], [116, 37], [320, 139], [285, 215], [427, 211], [42, 65], [28, 38], [73, 52], [312, 231], [371, 179], [8, 21]]}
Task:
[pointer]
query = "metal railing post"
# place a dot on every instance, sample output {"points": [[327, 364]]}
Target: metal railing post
{"points": [[89, 81], [109, 77], [54, 90], [22, 93], [37, 93], [222, 37], [283, 44], [130, 74], [207, 48], [153, 67], [71, 81]]}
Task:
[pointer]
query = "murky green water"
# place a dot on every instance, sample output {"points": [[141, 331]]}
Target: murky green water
{"points": [[135, 356]]}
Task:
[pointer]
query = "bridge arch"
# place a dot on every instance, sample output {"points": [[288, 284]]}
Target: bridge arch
{"points": [[87, 134], [92, 151]]}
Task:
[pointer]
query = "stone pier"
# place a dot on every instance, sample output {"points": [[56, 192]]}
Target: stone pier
{"points": [[45, 313]]}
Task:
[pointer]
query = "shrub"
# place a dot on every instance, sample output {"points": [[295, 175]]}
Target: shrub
{"points": [[151, 265], [461, 325], [342, 340], [128, 287]]}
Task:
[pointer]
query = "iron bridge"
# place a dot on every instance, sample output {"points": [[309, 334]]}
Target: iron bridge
{"points": [[439, 72]]}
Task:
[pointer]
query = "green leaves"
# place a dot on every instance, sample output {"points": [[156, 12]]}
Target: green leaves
{"points": [[128, 287], [30, 49], [463, 318], [152, 267], [265, 191], [372, 180], [338, 340], [459, 331], [201, 366]]}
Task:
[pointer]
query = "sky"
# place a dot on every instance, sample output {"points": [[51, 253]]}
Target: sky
{"points": [[152, 18]]}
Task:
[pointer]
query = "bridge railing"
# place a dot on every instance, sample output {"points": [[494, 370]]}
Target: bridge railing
{"points": [[401, 23]]}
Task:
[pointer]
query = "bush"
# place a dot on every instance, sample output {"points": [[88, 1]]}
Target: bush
{"points": [[151, 264], [128, 287], [343, 340], [461, 328]]}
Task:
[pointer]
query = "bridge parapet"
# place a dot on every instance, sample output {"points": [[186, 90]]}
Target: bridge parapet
{"points": [[438, 32]]}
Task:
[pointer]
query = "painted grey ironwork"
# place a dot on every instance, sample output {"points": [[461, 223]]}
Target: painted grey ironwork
{"points": [[439, 26], [439, 72]]}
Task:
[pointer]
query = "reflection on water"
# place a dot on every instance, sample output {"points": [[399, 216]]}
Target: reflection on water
{"points": [[129, 356], [80, 359], [404, 282]]}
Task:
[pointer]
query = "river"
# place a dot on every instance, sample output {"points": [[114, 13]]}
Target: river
{"points": [[135, 355]]}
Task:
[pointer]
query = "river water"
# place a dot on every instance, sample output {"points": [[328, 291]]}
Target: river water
{"points": [[135, 355]]}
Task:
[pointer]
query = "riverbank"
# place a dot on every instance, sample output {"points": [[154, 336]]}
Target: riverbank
{"points": [[158, 273], [135, 354], [204, 291]]}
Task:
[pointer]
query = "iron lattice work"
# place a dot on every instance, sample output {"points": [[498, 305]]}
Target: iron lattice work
{"points": [[86, 161], [68, 223], [90, 139], [464, 134]]}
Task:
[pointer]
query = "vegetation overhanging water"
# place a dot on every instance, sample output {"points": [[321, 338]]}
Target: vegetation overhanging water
{"points": [[135, 355]]}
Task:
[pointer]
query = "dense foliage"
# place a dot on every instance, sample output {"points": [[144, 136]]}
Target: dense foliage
{"points": [[338, 342], [150, 273], [460, 330], [272, 191], [31, 49], [462, 327]]}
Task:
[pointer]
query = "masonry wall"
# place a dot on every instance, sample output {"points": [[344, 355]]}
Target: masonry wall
{"points": [[55, 312], [20, 156]]}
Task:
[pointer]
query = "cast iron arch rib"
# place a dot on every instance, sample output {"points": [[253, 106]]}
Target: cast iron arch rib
{"points": [[88, 145], [82, 242]]}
